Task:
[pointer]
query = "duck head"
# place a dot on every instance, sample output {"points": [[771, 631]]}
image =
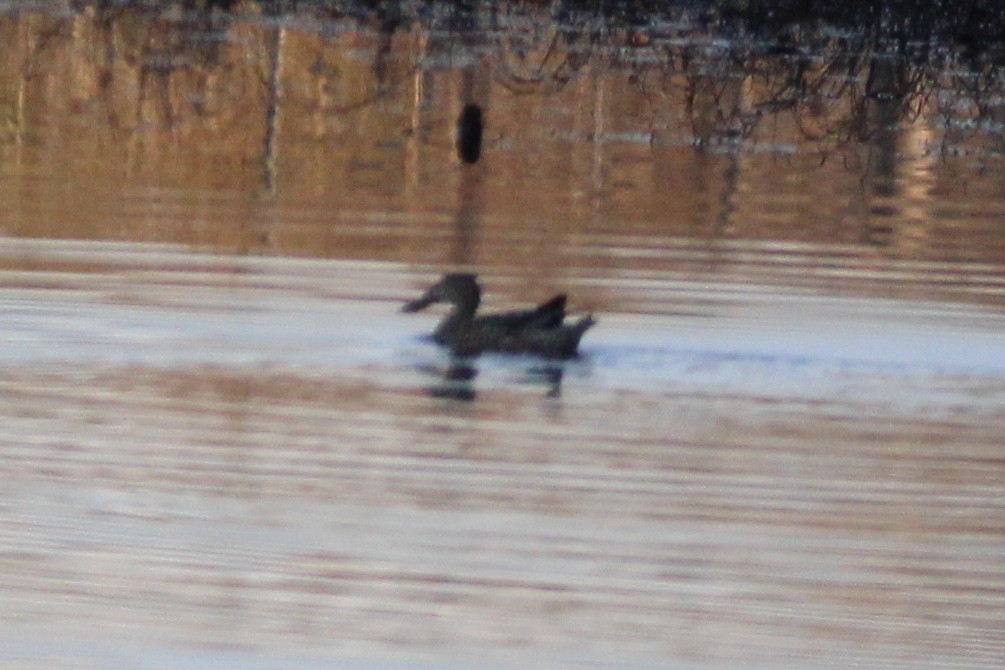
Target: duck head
{"points": [[459, 289]]}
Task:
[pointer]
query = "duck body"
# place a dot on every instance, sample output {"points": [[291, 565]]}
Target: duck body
{"points": [[540, 331]]}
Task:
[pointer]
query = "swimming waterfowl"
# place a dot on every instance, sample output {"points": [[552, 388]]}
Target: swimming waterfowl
{"points": [[541, 331]]}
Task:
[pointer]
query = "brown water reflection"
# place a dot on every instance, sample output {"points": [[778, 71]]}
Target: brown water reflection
{"points": [[154, 126], [222, 446]]}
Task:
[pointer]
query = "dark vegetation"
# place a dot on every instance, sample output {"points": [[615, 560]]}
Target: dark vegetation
{"points": [[846, 70]]}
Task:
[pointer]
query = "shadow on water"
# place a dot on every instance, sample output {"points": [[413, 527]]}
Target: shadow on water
{"points": [[456, 380]]}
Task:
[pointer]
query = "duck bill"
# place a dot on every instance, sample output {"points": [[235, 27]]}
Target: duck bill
{"points": [[422, 303]]}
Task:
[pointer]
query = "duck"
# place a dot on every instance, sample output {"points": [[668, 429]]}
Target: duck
{"points": [[540, 331]]}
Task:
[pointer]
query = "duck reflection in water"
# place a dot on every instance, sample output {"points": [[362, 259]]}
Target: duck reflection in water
{"points": [[541, 331]]}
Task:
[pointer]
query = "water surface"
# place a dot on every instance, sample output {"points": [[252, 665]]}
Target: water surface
{"points": [[222, 445]]}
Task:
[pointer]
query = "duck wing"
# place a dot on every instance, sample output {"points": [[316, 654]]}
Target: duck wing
{"points": [[547, 315]]}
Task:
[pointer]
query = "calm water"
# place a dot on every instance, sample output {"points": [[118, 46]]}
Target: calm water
{"points": [[222, 445]]}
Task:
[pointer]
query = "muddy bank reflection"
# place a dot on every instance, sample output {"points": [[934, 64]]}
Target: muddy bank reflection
{"points": [[312, 133]]}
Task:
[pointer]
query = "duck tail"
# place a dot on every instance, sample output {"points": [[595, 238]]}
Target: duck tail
{"points": [[585, 324]]}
